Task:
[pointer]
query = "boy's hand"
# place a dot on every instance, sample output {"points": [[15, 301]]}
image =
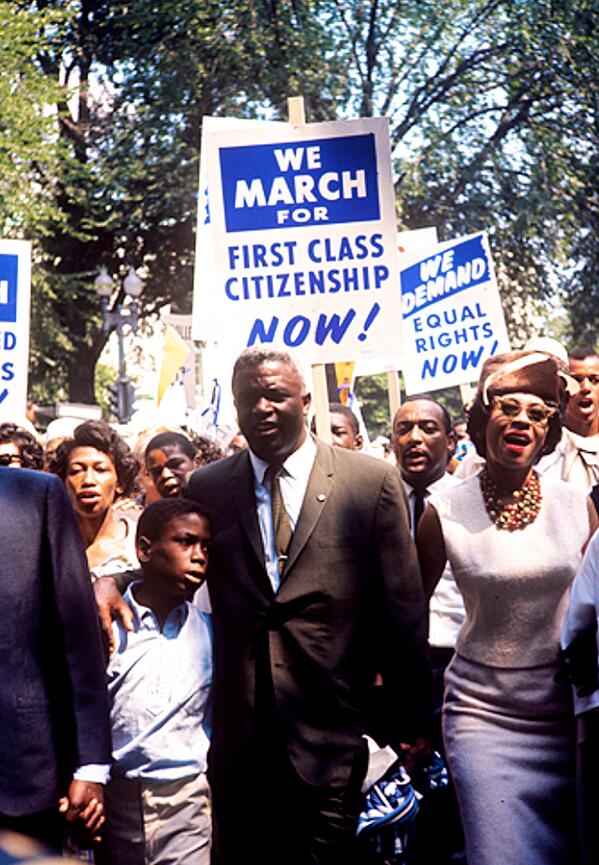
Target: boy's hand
{"points": [[418, 755], [111, 606], [83, 808]]}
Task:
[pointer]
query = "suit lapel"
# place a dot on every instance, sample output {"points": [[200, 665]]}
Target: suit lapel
{"points": [[244, 498], [320, 484]]}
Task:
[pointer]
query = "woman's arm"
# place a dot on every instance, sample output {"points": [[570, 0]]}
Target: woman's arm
{"points": [[431, 549]]}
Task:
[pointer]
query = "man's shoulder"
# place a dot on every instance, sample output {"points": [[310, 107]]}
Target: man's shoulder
{"points": [[359, 464], [217, 472], [28, 481]]}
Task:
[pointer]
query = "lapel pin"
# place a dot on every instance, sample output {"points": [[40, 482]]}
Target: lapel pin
{"points": [[320, 497]]}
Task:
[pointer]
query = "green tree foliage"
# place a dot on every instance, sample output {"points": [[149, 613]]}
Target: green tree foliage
{"points": [[493, 115], [29, 149], [493, 118]]}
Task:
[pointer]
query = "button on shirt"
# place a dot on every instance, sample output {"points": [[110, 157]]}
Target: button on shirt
{"points": [[159, 687], [293, 481]]}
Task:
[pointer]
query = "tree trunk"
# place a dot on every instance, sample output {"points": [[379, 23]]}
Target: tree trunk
{"points": [[80, 374]]}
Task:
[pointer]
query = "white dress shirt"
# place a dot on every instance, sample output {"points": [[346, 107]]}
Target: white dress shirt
{"points": [[446, 608], [293, 481], [574, 460]]}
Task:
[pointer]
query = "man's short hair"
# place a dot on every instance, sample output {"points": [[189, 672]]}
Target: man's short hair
{"points": [[444, 412], [252, 358], [157, 516], [581, 352], [339, 408], [168, 439]]}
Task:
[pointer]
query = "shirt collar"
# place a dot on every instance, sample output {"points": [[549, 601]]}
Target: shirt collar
{"points": [[436, 486], [144, 615], [298, 464], [589, 444]]}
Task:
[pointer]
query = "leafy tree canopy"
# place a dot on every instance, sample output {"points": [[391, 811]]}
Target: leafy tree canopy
{"points": [[493, 112]]}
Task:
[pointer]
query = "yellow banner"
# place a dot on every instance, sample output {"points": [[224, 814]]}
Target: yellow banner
{"points": [[345, 380], [174, 354]]}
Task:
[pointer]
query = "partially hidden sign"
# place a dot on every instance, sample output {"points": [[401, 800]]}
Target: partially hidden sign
{"points": [[303, 224], [15, 288], [452, 315]]}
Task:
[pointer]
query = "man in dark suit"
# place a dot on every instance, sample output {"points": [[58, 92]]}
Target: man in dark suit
{"points": [[302, 624], [54, 745]]}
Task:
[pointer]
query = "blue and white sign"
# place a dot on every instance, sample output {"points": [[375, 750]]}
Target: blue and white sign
{"points": [[203, 327], [452, 315], [15, 287], [331, 180], [305, 251]]}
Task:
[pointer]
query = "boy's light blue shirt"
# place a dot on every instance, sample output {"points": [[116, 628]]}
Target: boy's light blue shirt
{"points": [[159, 687]]}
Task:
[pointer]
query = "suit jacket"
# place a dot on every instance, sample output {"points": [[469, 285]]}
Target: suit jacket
{"points": [[53, 702], [350, 604]]}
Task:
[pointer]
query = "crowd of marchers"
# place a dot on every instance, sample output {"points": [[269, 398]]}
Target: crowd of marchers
{"points": [[296, 653]]}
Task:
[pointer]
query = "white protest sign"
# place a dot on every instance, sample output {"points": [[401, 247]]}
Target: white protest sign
{"points": [[15, 291], [411, 246], [305, 247], [452, 315], [204, 275]]}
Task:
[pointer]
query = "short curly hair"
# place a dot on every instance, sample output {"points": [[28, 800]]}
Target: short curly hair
{"points": [[99, 435], [207, 451], [30, 450]]}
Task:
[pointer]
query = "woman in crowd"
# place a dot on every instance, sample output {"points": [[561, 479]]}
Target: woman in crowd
{"points": [[514, 544], [19, 448], [96, 467]]}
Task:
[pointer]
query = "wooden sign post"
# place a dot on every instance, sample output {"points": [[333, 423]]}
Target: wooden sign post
{"points": [[320, 396]]}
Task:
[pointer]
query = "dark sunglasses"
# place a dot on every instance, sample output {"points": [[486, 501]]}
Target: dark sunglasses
{"points": [[9, 459], [537, 413]]}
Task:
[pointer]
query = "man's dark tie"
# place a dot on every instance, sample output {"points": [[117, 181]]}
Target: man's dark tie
{"points": [[419, 499], [280, 517]]}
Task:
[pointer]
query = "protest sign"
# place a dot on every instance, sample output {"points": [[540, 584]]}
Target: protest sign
{"points": [[304, 241], [15, 288], [412, 246], [204, 274], [452, 315]]}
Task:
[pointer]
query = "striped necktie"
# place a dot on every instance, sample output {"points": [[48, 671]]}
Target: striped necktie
{"points": [[280, 517]]}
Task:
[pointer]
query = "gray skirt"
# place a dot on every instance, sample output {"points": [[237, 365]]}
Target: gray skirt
{"points": [[510, 742]]}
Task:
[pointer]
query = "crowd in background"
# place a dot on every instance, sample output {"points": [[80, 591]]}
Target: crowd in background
{"points": [[502, 505]]}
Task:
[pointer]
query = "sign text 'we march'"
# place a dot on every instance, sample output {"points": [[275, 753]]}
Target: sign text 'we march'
{"points": [[304, 231]]}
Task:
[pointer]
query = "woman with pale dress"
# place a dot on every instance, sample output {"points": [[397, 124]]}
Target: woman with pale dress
{"points": [[514, 543]]}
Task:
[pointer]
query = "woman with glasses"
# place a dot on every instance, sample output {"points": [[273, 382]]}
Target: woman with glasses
{"points": [[514, 543], [18, 448], [97, 467]]}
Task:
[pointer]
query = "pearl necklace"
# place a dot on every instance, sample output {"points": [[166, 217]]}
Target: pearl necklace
{"points": [[512, 515]]}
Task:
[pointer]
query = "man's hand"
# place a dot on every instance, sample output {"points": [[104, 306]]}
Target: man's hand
{"points": [[111, 606], [83, 808]]}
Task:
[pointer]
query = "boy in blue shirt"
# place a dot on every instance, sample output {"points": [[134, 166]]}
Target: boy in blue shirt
{"points": [[159, 677]]}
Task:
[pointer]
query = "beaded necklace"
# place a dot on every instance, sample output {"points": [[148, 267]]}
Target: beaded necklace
{"points": [[512, 515]]}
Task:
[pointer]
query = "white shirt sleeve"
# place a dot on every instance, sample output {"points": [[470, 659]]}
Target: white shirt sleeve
{"points": [[95, 773], [583, 612]]}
